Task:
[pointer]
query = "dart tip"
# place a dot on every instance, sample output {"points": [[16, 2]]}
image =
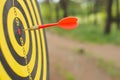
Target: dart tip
{"points": [[25, 29], [33, 28]]}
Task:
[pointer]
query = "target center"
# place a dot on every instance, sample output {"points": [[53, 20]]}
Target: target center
{"points": [[18, 31]]}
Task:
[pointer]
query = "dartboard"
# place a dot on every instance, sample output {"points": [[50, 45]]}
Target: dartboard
{"points": [[23, 54]]}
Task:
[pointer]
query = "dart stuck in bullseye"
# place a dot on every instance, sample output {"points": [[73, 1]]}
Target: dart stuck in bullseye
{"points": [[65, 23]]}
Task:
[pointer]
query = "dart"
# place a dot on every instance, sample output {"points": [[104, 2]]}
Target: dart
{"points": [[65, 23]]}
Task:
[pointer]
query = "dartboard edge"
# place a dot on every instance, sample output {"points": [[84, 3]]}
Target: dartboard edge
{"points": [[23, 54]]}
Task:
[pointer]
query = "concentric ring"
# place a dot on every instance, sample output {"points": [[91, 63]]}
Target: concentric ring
{"points": [[12, 57]]}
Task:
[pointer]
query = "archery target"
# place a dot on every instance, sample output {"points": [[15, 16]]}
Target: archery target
{"points": [[17, 61]]}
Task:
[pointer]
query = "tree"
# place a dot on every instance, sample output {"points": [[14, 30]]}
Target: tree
{"points": [[99, 5], [64, 6], [47, 1], [117, 13], [109, 17], [57, 8]]}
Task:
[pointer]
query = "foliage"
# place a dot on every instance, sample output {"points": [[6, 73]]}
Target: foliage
{"points": [[87, 31], [90, 33]]}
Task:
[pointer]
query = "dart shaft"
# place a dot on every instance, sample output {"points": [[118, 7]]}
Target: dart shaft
{"points": [[47, 25], [41, 26], [65, 23]]}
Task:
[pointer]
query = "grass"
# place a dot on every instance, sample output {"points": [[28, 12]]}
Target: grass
{"points": [[109, 67], [66, 74], [90, 33]]}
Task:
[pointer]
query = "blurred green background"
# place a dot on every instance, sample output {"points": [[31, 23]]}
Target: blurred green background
{"points": [[98, 19], [92, 50]]}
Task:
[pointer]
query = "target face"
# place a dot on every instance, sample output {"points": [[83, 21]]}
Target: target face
{"points": [[23, 54]]}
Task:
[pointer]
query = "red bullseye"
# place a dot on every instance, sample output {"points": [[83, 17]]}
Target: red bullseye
{"points": [[19, 31]]}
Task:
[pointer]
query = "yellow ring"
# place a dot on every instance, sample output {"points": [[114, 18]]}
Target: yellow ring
{"points": [[13, 41]]}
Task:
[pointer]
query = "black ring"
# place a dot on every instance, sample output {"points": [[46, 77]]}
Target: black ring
{"points": [[8, 5]]}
